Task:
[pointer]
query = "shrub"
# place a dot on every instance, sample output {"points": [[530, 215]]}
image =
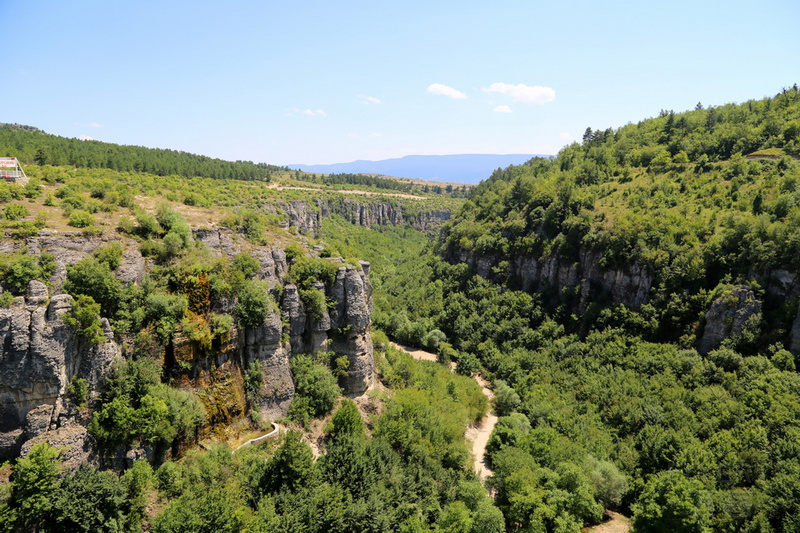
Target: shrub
{"points": [[137, 406], [506, 398], [315, 386], [78, 392], [81, 219], [84, 319], [15, 212], [254, 304], [147, 225], [253, 379], [246, 264], [314, 303], [294, 251], [111, 254], [166, 311], [467, 364], [94, 278], [6, 299], [17, 270], [433, 339]]}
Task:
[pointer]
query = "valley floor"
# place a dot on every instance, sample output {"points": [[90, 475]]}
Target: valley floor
{"points": [[478, 433]]}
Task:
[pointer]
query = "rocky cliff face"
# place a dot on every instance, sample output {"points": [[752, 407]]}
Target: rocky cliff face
{"points": [[629, 286], [307, 217], [730, 316], [41, 354]]}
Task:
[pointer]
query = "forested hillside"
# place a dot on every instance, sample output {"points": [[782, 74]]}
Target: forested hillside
{"points": [[634, 301], [653, 215], [31, 145]]}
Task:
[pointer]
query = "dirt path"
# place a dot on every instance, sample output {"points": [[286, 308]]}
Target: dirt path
{"points": [[615, 523], [276, 430], [416, 354], [478, 433]]}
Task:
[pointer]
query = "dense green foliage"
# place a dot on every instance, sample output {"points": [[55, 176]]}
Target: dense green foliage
{"points": [[30, 145], [316, 389], [694, 199], [137, 406], [405, 472], [17, 270]]}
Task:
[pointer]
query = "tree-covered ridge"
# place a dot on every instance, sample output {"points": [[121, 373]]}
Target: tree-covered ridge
{"points": [[680, 195], [31, 145], [396, 184]]}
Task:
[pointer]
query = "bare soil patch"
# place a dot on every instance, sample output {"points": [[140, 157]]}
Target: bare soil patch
{"points": [[614, 523]]}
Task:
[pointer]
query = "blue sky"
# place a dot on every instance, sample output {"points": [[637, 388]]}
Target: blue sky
{"points": [[335, 81]]}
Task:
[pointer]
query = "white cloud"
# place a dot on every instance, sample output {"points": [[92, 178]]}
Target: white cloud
{"points": [[89, 124], [293, 112], [566, 136], [522, 93], [502, 109], [367, 100], [85, 138], [444, 90], [359, 137]]}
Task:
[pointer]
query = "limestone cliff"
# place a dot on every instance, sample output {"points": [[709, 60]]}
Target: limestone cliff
{"points": [[41, 354], [630, 286], [307, 216], [729, 317]]}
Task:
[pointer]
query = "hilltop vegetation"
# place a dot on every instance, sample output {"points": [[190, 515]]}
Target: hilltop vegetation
{"points": [[680, 196], [31, 145]]}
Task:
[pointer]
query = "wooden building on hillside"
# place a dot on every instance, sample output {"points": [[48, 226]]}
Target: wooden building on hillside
{"points": [[11, 171]]}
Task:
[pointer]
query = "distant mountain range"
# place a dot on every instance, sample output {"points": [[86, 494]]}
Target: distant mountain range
{"points": [[462, 168]]}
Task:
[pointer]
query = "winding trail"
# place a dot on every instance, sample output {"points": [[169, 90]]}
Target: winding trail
{"points": [[276, 429], [478, 433]]}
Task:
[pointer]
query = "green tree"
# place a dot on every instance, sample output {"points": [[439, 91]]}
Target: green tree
{"points": [[292, 466], [84, 318], [89, 500], [254, 304], [91, 277], [346, 422], [34, 483], [670, 502], [316, 388]]}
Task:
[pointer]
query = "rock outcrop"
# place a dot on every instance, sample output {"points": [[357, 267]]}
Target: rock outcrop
{"points": [[40, 355], [350, 319], [630, 286], [307, 217], [728, 317]]}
